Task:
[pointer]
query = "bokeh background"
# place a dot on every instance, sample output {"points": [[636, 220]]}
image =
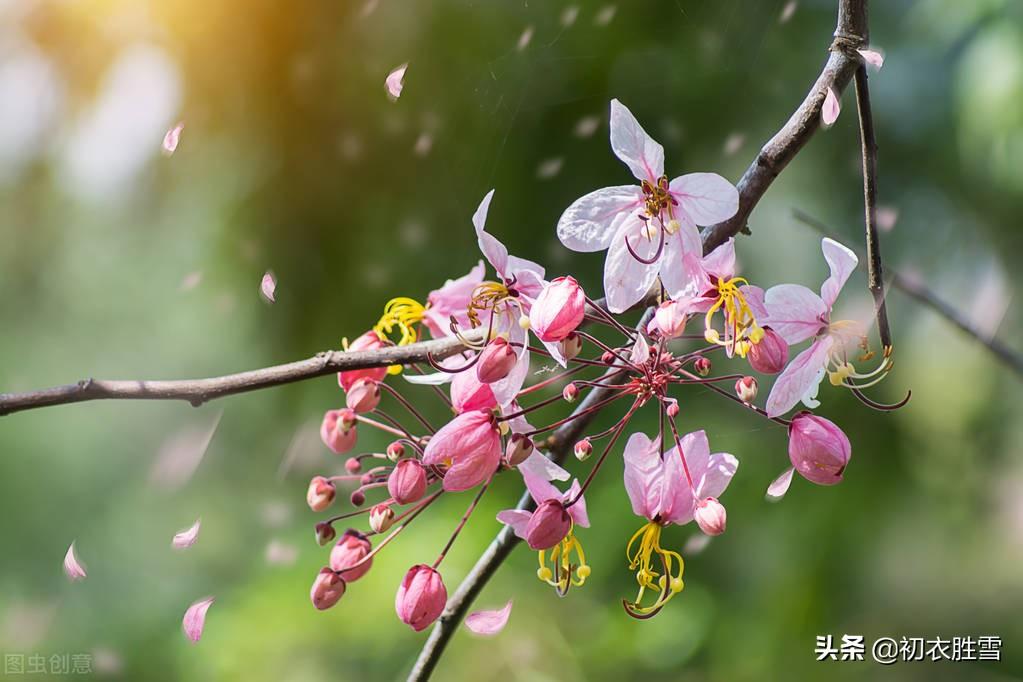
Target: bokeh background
{"points": [[117, 261]]}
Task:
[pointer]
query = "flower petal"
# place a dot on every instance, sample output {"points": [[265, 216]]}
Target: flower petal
{"points": [[780, 485], [721, 261], [643, 472], [627, 280], [488, 622], [195, 619], [578, 509], [395, 81], [640, 352], [267, 286], [681, 269], [794, 311], [587, 225], [842, 262], [186, 538], [540, 488], [802, 374], [872, 57], [720, 469], [541, 466], [518, 519], [630, 143], [831, 108], [171, 139], [493, 250], [73, 568], [508, 388], [707, 198]]}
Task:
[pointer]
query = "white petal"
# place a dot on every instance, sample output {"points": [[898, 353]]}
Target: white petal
{"points": [[842, 262], [588, 224], [493, 250], [396, 81], [640, 152], [872, 57], [542, 467], [267, 286], [780, 485], [435, 379], [707, 198], [640, 351], [831, 108], [794, 312], [186, 538], [171, 139], [627, 280]]}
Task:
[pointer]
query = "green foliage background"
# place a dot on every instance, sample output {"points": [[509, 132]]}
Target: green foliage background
{"points": [[294, 159]]}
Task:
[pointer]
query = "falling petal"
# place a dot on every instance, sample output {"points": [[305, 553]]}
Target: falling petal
{"points": [[304, 450], [605, 15], [640, 351], [831, 108], [275, 514], [73, 569], [424, 143], [569, 15], [195, 619], [733, 143], [696, 544], [872, 57], [190, 281], [586, 126], [171, 139], [887, 216], [488, 622], [396, 81], [181, 454], [280, 554], [524, 39], [788, 11], [549, 168], [780, 485], [186, 538], [268, 286]]}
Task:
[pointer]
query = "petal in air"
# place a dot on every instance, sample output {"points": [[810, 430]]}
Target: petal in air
{"points": [[73, 568], [186, 538], [195, 619], [396, 81], [268, 286], [489, 622], [171, 139], [872, 57]]}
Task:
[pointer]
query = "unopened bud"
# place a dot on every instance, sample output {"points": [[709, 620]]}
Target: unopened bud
{"points": [[325, 533], [746, 389], [770, 354], [518, 450], [710, 516], [407, 482], [702, 366], [381, 518], [353, 465], [496, 361], [571, 346], [607, 358], [583, 449], [570, 392], [358, 498], [337, 431], [363, 396], [548, 525], [320, 494], [818, 449], [348, 556], [395, 451], [672, 409], [327, 590]]}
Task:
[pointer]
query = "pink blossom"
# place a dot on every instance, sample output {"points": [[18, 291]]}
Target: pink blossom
{"points": [[552, 520], [770, 354], [421, 597], [320, 494], [558, 310], [496, 361], [194, 621], [363, 396], [407, 481], [658, 488], [368, 341], [73, 568], [670, 318], [818, 449], [327, 589], [470, 446], [548, 525], [451, 300], [797, 314], [488, 622], [351, 549], [468, 393], [338, 431], [711, 516], [186, 538], [656, 219], [831, 108], [395, 81]]}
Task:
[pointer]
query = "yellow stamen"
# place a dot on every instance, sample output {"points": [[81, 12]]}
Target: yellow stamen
{"points": [[567, 569], [667, 585], [741, 329], [401, 315]]}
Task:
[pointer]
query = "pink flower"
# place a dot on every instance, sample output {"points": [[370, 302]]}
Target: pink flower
{"points": [[368, 341], [320, 494], [327, 589], [497, 360], [451, 300], [194, 621], [797, 314], [711, 516], [818, 449], [363, 396], [337, 431], [349, 551], [670, 319], [470, 446], [551, 522], [407, 482], [468, 393], [770, 354], [655, 220], [558, 310], [548, 525], [421, 597]]}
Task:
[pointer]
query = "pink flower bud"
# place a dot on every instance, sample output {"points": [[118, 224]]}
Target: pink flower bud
{"points": [[607, 357], [558, 310], [327, 589], [421, 597], [395, 451], [368, 341], [583, 449], [381, 518], [324, 533], [818, 449], [338, 431], [672, 409], [710, 516], [570, 393], [571, 346], [670, 319], [470, 446], [496, 361], [548, 525], [407, 482], [349, 551], [746, 389], [363, 396], [518, 450], [702, 366], [769, 355], [320, 494], [357, 498], [353, 465]]}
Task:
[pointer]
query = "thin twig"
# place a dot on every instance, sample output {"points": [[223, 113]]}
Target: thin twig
{"points": [[918, 291]]}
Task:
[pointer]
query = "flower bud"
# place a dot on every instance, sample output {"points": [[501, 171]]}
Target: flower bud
{"points": [[407, 482], [421, 597], [320, 494], [570, 392], [583, 449], [327, 589], [607, 357], [496, 361], [670, 319], [558, 310], [770, 354], [571, 346], [672, 409], [702, 366], [381, 518], [324, 533], [349, 551], [548, 525], [353, 465], [818, 449], [518, 450], [710, 516], [395, 451], [746, 389], [368, 341], [363, 396], [338, 430]]}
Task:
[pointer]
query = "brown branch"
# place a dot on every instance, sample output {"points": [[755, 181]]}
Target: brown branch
{"points": [[922, 294], [797, 131]]}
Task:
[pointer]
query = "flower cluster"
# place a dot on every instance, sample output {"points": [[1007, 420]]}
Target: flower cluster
{"points": [[699, 308]]}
